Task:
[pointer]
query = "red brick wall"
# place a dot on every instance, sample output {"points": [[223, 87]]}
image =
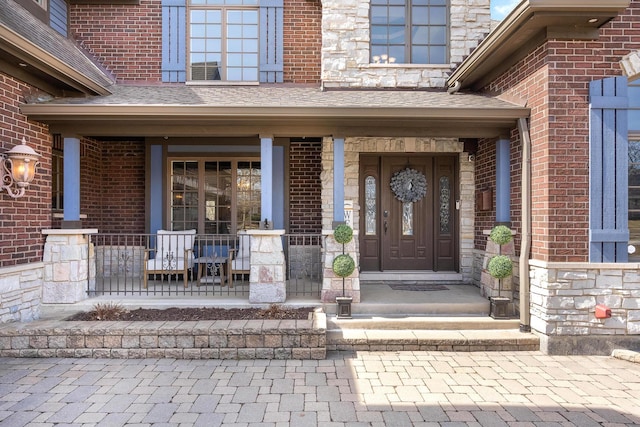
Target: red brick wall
{"points": [[126, 39], [22, 220], [554, 80], [302, 41], [305, 205], [123, 187]]}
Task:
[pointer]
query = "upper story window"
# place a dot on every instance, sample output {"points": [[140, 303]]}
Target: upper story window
{"points": [[409, 31], [41, 3], [223, 40]]}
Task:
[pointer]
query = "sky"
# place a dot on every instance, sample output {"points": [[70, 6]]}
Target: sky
{"points": [[500, 8]]}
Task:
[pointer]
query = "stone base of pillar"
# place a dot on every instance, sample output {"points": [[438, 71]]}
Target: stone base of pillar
{"points": [[267, 293], [267, 283], [63, 292], [69, 266]]}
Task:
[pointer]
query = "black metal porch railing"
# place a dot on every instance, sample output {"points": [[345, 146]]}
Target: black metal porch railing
{"points": [[179, 264]]}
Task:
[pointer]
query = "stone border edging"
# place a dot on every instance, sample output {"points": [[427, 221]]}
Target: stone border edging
{"points": [[628, 355], [213, 339]]}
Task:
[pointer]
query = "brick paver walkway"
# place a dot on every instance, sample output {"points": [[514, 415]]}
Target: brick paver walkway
{"points": [[348, 389]]}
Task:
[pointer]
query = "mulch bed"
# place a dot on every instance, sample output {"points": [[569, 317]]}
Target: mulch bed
{"points": [[116, 313]]}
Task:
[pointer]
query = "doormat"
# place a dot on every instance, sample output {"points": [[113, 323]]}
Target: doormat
{"points": [[417, 287]]}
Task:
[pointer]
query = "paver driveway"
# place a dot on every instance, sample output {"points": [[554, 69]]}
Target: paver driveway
{"points": [[348, 389]]}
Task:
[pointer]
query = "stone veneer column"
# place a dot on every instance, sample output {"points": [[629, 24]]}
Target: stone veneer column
{"points": [[332, 284], [69, 266], [267, 279]]}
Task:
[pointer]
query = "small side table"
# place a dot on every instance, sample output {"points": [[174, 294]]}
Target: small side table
{"points": [[208, 264]]}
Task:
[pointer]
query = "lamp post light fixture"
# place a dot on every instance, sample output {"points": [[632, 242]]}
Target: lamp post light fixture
{"points": [[18, 168]]}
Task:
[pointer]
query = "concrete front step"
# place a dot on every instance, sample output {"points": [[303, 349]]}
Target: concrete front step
{"points": [[421, 323], [388, 333], [431, 340]]}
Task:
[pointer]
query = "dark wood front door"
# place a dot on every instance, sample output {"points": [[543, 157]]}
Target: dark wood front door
{"points": [[397, 235]]}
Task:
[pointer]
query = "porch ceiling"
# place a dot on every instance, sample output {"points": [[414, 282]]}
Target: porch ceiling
{"points": [[278, 110]]}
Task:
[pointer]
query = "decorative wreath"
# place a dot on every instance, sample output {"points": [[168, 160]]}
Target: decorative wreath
{"points": [[409, 185]]}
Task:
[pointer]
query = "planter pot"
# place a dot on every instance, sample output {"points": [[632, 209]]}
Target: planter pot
{"points": [[500, 307], [344, 307]]}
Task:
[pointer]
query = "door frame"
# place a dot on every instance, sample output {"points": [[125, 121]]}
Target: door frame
{"points": [[372, 246]]}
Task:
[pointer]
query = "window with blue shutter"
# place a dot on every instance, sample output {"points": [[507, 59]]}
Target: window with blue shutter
{"points": [[58, 16], [174, 39], [229, 40], [608, 170], [271, 41]]}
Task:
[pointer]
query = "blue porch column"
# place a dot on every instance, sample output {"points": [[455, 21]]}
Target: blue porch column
{"points": [[266, 162], [503, 182], [338, 181], [71, 184]]}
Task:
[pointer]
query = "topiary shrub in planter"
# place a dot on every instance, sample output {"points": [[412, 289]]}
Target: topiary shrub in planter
{"points": [[500, 266], [343, 234], [343, 266], [501, 235]]}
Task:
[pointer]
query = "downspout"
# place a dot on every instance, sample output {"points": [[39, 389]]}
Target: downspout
{"points": [[525, 245]]}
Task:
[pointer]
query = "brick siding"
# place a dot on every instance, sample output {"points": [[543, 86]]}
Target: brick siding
{"points": [[554, 80], [302, 41], [21, 220], [125, 39], [305, 203]]}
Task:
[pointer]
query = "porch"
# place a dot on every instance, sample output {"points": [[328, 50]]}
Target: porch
{"points": [[183, 265]]}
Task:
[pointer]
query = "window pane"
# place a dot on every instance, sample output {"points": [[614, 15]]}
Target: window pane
{"points": [[634, 95], [419, 15], [397, 53], [250, 46], [198, 30], [397, 15], [234, 74], [379, 15], [234, 46], [370, 205], [396, 35], [250, 74], [438, 35], [420, 55], [437, 55], [250, 60], [634, 199], [438, 15], [420, 35]]}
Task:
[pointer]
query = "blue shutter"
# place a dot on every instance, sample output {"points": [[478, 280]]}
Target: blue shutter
{"points": [[58, 16], [174, 40], [271, 41], [608, 169]]}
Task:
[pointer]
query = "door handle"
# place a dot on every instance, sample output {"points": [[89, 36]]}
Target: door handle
{"points": [[385, 226]]}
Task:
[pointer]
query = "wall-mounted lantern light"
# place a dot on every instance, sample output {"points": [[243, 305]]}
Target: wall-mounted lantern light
{"points": [[18, 168]]}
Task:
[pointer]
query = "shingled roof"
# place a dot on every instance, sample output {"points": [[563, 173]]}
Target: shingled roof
{"points": [[24, 39], [167, 109]]}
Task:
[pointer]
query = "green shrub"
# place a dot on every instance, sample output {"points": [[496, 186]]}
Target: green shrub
{"points": [[343, 234], [501, 234], [500, 266], [343, 265]]}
